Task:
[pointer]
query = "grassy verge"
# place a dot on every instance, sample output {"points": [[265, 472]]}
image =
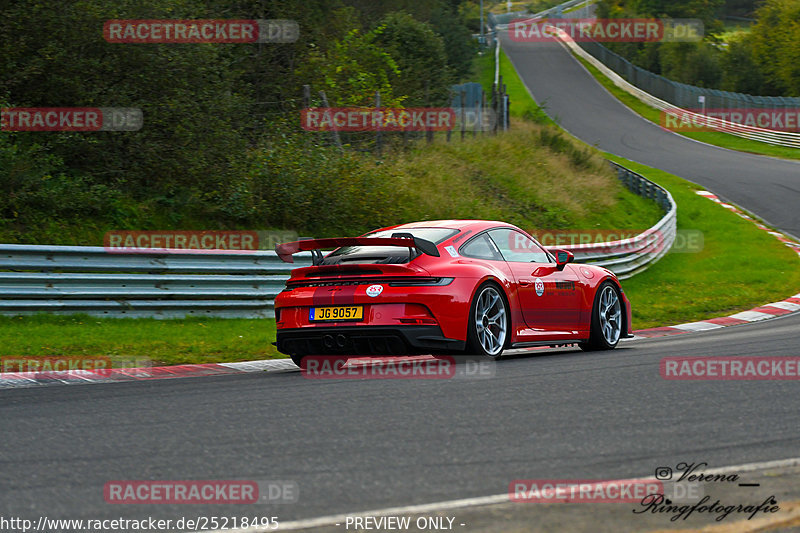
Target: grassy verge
{"points": [[483, 70], [723, 140], [164, 342]]}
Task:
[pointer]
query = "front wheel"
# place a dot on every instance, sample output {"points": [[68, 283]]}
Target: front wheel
{"points": [[607, 318], [488, 322]]}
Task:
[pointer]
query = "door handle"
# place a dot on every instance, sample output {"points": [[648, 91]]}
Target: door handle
{"points": [[525, 282]]}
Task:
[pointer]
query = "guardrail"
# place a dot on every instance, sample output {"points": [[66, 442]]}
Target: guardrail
{"points": [[502, 19], [99, 282]]}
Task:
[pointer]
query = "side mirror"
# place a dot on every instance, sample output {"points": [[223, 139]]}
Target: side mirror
{"points": [[562, 258]]}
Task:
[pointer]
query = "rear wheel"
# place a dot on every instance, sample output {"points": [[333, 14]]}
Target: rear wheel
{"points": [[488, 322], [607, 318]]}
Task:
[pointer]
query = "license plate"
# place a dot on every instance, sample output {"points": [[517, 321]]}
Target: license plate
{"points": [[355, 312]]}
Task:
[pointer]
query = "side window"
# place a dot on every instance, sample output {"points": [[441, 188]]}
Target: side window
{"points": [[480, 248], [516, 247]]}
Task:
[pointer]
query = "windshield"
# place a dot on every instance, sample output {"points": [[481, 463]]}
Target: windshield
{"points": [[387, 254]]}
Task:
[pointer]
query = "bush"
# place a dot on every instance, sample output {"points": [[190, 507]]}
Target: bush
{"points": [[295, 182]]}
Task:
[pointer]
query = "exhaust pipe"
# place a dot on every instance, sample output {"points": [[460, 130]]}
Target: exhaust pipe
{"points": [[327, 341], [341, 340]]}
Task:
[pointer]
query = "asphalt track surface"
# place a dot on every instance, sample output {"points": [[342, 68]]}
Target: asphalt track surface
{"points": [[355, 445], [768, 187]]}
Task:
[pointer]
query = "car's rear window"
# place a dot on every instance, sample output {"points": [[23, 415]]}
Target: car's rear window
{"points": [[387, 254]]}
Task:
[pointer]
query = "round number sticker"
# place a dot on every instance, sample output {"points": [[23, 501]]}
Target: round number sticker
{"points": [[539, 286], [374, 290]]}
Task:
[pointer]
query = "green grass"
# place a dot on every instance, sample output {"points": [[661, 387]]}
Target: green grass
{"points": [[723, 140], [483, 71], [164, 342]]}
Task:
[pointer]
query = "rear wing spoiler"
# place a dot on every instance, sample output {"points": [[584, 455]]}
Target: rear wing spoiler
{"points": [[404, 240]]}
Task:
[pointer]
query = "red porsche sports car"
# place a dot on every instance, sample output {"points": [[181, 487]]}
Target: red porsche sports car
{"points": [[444, 287]]}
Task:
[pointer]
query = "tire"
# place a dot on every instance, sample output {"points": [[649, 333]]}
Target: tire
{"points": [[607, 319], [487, 331]]}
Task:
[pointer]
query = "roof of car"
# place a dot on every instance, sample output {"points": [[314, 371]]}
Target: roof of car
{"points": [[475, 225]]}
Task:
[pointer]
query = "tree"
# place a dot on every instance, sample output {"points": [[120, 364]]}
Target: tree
{"points": [[423, 75], [351, 70], [458, 43], [692, 63], [775, 39], [740, 72], [54, 55]]}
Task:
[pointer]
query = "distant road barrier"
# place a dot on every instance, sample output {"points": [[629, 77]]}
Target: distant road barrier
{"points": [[100, 282], [780, 138]]}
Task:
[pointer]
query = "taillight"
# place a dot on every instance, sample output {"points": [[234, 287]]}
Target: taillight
{"points": [[422, 282], [418, 321]]}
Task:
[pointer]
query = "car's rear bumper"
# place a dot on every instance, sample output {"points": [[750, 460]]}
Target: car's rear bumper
{"points": [[365, 340]]}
